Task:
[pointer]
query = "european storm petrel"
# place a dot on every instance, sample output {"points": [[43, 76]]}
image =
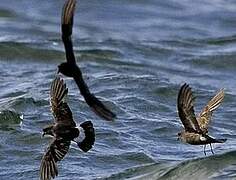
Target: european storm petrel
{"points": [[63, 131], [196, 129], [70, 67]]}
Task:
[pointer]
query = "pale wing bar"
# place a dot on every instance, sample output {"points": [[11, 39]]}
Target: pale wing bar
{"points": [[66, 28], [205, 116]]}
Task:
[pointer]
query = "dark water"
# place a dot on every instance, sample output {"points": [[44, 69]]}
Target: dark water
{"points": [[134, 55]]}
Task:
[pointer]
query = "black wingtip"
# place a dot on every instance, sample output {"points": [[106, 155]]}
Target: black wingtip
{"points": [[94, 103], [89, 139], [99, 108], [68, 12], [66, 28], [67, 18], [185, 87], [103, 112]]}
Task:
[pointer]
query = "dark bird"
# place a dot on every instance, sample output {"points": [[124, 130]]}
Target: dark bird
{"points": [[63, 131], [196, 128], [71, 69]]}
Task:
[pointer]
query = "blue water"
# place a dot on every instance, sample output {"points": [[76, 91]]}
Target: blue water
{"points": [[134, 55]]}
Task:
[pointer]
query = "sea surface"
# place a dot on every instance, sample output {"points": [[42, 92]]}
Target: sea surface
{"points": [[134, 56]]}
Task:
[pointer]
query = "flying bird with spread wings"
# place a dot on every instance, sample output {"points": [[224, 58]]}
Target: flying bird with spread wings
{"points": [[196, 128], [63, 131], [71, 69]]}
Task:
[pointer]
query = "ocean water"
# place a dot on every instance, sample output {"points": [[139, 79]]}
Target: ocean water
{"points": [[134, 55]]}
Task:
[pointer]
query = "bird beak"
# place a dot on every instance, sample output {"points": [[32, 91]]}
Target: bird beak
{"points": [[42, 134], [58, 71]]}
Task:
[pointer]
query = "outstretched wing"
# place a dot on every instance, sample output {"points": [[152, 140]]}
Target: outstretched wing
{"points": [[186, 110], [60, 109], [66, 28], [55, 152], [67, 24], [94, 103], [206, 114]]}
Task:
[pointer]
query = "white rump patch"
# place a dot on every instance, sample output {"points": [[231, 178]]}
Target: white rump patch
{"points": [[81, 135], [47, 136], [202, 138]]}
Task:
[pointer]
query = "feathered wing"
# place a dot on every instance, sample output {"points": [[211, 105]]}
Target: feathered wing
{"points": [[67, 24], [94, 103], [66, 28], [100, 109], [205, 116], [60, 109], [55, 152], [186, 110]]}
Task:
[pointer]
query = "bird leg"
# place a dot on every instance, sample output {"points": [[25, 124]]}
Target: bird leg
{"points": [[211, 149], [205, 149]]}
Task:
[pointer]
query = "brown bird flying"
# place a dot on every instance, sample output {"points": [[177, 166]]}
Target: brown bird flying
{"points": [[196, 128], [63, 131], [71, 69]]}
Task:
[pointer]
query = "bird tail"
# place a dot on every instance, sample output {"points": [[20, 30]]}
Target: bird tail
{"points": [[66, 28], [212, 140], [220, 140], [58, 92], [87, 143]]}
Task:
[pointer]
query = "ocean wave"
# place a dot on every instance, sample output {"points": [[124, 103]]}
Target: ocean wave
{"points": [[196, 169], [21, 103], [201, 168], [27, 51], [36, 50], [5, 13], [8, 117]]}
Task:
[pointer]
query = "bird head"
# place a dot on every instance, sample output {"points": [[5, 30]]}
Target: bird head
{"points": [[66, 69], [47, 131]]}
